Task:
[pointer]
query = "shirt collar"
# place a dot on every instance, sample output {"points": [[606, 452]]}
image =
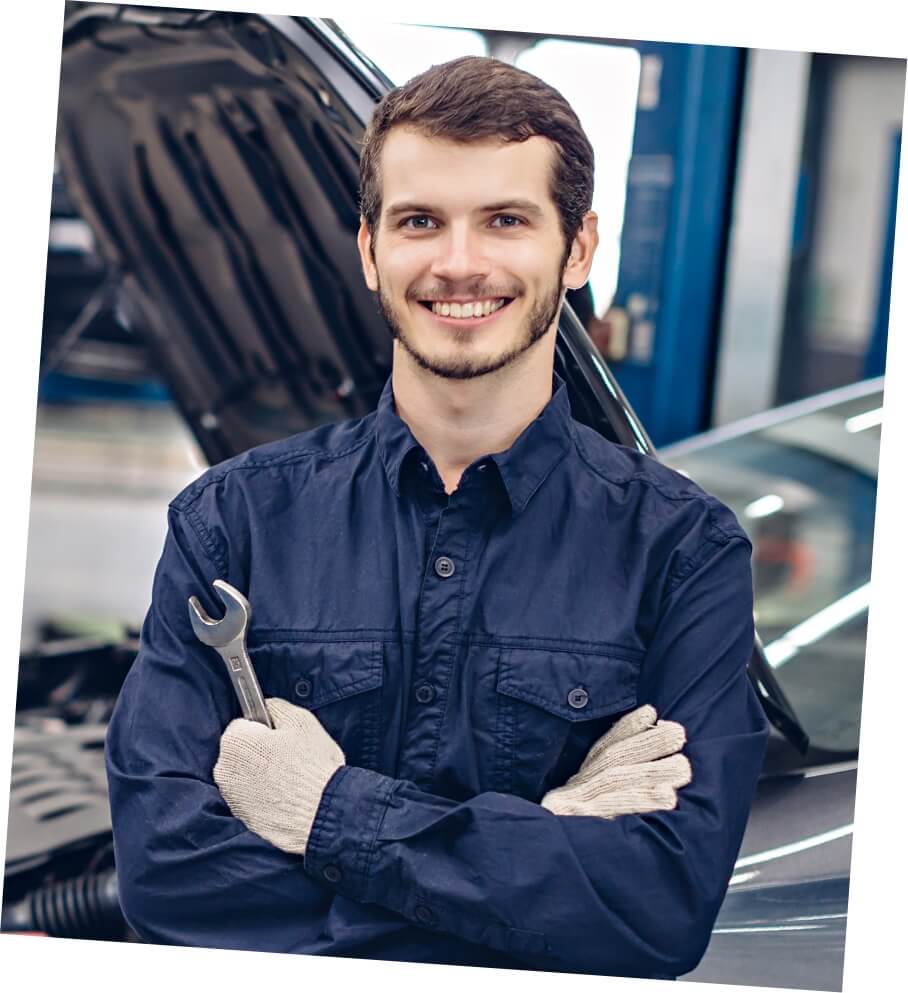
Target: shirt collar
{"points": [[523, 467]]}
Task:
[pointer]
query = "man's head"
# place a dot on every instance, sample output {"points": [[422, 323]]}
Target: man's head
{"points": [[476, 185]]}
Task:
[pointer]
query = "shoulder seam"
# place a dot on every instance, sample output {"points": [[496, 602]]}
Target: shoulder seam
{"points": [[691, 565], [207, 542], [195, 490], [639, 477]]}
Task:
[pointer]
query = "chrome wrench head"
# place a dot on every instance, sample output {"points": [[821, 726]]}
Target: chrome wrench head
{"points": [[220, 633]]}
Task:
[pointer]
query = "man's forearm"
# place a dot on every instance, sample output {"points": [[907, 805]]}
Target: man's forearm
{"points": [[635, 896]]}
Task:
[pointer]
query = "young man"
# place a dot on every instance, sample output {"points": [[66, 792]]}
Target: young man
{"points": [[467, 611]]}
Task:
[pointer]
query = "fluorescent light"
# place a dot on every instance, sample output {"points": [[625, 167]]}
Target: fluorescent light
{"points": [[860, 422], [765, 506], [818, 626], [796, 846], [743, 877]]}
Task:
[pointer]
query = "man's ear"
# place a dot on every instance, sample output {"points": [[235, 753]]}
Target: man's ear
{"points": [[583, 249], [364, 243]]}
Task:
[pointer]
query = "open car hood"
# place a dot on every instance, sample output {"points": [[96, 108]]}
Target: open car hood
{"points": [[215, 157]]}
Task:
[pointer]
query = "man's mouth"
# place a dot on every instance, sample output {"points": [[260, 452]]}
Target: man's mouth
{"points": [[466, 310]]}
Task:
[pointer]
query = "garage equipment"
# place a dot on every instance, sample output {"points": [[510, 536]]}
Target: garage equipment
{"points": [[228, 637]]}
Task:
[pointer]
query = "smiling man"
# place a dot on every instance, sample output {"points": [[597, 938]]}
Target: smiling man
{"points": [[468, 611]]}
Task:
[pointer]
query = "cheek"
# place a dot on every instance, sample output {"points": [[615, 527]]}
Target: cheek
{"points": [[401, 268]]}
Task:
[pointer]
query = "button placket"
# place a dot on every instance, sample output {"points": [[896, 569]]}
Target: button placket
{"points": [[437, 623]]}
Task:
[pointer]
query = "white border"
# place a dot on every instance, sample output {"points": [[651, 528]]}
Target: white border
{"points": [[30, 67]]}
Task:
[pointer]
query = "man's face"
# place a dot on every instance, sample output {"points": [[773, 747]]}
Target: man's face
{"points": [[465, 228]]}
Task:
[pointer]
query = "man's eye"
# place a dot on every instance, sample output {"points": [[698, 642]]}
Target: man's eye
{"points": [[418, 222], [508, 220]]}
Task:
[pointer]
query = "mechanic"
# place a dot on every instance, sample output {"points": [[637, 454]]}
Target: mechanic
{"points": [[468, 612]]}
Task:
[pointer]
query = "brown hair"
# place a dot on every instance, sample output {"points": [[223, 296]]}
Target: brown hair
{"points": [[476, 97]]}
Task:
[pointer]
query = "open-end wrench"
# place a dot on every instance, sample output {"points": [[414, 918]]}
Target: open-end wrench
{"points": [[228, 637]]}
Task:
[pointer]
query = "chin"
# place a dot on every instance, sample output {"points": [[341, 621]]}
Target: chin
{"points": [[461, 364]]}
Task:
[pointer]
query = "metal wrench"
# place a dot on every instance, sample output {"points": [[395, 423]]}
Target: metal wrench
{"points": [[228, 637]]}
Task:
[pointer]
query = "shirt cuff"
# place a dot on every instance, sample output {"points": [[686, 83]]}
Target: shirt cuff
{"points": [[341, 844]]}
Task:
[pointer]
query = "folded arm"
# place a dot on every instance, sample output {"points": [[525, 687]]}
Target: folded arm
{"points": [[633, 896]]}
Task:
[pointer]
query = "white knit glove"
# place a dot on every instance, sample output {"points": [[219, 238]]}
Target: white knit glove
{"points": [[633, 769], [273, 780]]}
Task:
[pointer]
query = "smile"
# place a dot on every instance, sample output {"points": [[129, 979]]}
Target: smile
{"points": [[469, 313]]}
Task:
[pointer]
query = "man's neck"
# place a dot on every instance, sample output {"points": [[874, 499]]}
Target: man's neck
{"points": [[459, 421]]}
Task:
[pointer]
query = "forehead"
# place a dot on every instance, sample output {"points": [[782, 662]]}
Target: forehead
{"points": [[463, 175]]}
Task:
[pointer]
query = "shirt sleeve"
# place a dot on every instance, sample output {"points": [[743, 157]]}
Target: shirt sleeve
{"points": [[634, 896], [189, 872]]}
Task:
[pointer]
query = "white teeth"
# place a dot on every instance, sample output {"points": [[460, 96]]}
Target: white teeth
{"points": [[475, 308]]}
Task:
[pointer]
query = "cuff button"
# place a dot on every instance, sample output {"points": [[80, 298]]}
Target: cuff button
{"points": [[425, 916], [332, 873]]}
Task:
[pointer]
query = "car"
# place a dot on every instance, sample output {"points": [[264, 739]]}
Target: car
{"points": [[802, 481], [214, 158]]}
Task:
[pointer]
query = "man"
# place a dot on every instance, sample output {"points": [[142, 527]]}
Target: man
{"points": [[468, 611]]}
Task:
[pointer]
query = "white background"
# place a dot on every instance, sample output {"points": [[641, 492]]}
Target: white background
{"points": [[30, 65]]}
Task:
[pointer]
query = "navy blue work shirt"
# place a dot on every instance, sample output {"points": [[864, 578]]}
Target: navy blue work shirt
{"points": [[465, 651]]}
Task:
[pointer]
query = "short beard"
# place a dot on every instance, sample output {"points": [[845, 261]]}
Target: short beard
{"points": [[539, 320]]}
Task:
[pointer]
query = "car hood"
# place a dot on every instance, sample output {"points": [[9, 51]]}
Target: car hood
{"points": [[215, 157]]}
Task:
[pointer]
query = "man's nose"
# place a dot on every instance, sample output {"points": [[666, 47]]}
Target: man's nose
{"points": [[460, 255]]}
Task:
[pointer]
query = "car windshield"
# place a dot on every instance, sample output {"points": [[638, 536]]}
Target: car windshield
{"points": [[804, 489]]}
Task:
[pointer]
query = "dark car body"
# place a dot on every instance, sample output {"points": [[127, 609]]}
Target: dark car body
{"points": [[214, 157]]}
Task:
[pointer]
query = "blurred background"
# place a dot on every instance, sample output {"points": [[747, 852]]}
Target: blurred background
{"points": [[739, 298]]}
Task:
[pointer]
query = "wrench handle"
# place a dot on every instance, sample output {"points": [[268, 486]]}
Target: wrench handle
{"points": [[245, 683]]}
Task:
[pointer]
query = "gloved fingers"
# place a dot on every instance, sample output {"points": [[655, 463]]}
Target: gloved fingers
{"points": [[633, 723], [289, 717], [609, 806], [666, 738], [285, 714], [243, 753], [241, 734], [674, 771]]}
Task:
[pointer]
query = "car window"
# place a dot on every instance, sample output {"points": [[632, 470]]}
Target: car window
{"points": [[805, 492]]}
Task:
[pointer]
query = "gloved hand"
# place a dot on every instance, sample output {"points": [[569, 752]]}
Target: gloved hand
{"points": [[632, 769], [273, 779]]}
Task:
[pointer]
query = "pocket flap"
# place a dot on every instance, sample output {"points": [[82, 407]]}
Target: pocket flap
{"points": [[313, 674], [576, 686]]}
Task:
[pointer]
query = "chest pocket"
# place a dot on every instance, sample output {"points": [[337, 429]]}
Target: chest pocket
{"points": [[339, 681], [550, 706]]}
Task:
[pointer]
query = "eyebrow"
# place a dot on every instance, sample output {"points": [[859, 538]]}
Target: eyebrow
{"points": [[413, 207]]}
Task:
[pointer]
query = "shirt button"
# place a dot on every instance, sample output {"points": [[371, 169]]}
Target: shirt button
{"points": [[425, 693], [444, 566], [303, 689], [425, 916], [332, 873], [578, 698]]}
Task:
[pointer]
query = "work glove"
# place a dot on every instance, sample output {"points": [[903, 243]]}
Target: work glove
{"points": [[633, 769], [273, 779]]}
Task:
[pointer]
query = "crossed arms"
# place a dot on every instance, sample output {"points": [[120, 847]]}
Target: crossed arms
{"points": [[636, 895]]}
